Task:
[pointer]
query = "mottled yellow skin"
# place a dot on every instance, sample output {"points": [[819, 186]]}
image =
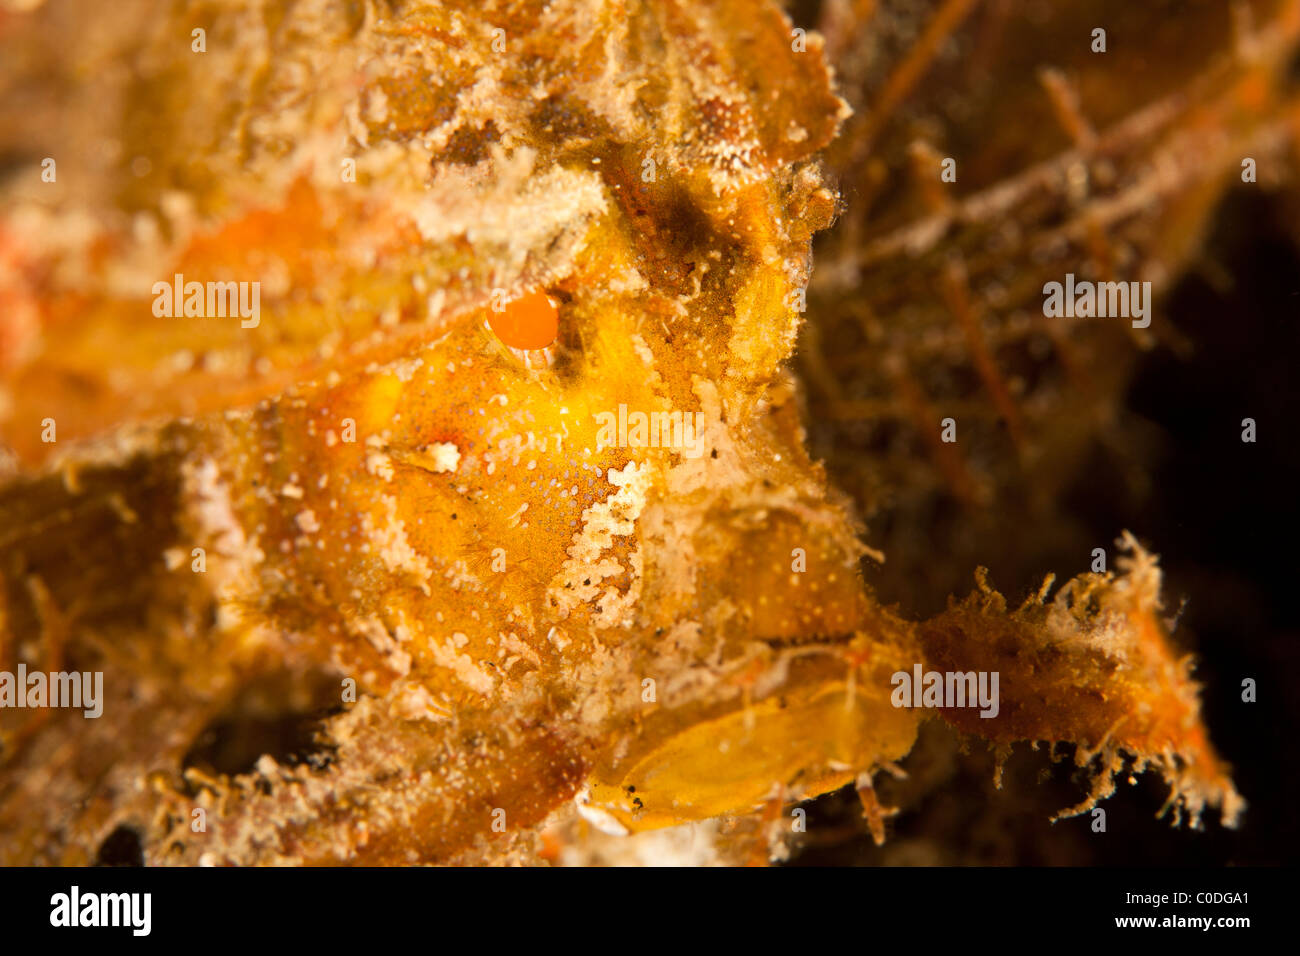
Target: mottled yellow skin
{"points": [[409, 507]]}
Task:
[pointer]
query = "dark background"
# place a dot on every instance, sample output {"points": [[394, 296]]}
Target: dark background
{"points": [[1222, 515]]}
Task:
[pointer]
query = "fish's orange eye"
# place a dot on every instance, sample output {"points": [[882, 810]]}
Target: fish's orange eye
{"points": [[529, 322]]}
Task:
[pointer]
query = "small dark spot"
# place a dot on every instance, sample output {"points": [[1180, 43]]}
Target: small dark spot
{"points": [[468, 146], [587, 581], [453, 517], [121, 848], [714, 453]]}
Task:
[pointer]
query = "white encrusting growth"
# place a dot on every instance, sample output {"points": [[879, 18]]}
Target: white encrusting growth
{"points": [[444, 455]]}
